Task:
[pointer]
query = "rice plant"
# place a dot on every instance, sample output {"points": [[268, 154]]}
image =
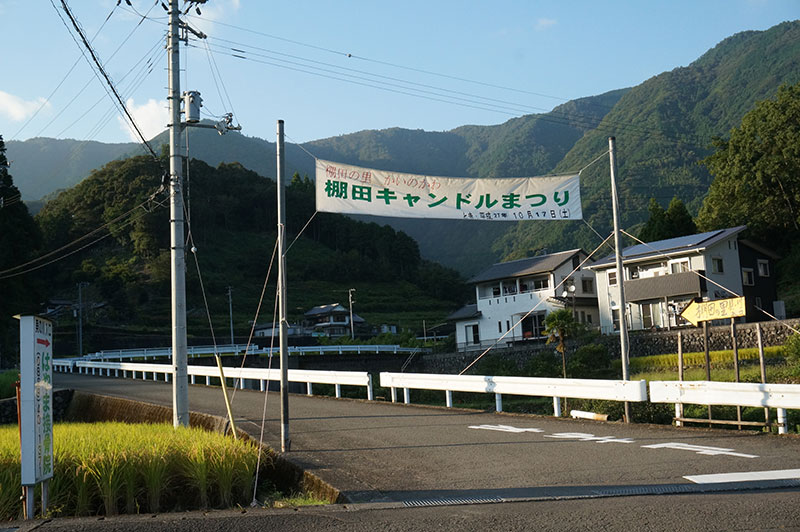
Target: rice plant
{"points": [[117, 467]]}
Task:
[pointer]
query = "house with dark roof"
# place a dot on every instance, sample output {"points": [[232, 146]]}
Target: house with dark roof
{"points": [[513, 298], [661, 278], [332, 320]]}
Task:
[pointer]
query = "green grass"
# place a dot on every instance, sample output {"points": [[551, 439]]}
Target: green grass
{"points": [[110, 468], [697, 358], [7, 383]]}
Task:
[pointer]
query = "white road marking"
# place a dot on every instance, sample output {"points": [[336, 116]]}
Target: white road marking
{"points": [[781, 474], [504, 428], [699, 449], [582, 436]]}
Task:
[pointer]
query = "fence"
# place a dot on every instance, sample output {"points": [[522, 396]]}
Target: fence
{"points": [[193, 351], [779, 396], [528, 386], [261, 375]]}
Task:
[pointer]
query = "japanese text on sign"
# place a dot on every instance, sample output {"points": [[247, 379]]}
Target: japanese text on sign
{"points": [[354, 190]]}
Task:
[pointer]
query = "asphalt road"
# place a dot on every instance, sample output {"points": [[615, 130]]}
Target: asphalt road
{"points": [[417, 468]]}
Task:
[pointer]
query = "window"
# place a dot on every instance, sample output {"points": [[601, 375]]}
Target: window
{"points": [[499, 326], [758, 302], [587, 285], [633, 272], [716, 265], [612, 278], [472, 334], [763, 268], [615, 318], [748, 279], [541, 284], [647, 316], [679, 267]]}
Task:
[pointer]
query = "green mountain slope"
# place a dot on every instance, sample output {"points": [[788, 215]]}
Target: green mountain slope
{"points": [[233, 228], [663, 129]]}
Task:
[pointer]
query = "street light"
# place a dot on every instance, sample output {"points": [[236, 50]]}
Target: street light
{"points": [[570, 290]]}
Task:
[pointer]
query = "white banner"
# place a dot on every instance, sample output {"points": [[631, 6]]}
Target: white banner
{"points": [[354, 190]]}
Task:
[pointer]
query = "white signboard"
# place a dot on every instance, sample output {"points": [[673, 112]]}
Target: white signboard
{"points": [[36, 388], [354, 190]]}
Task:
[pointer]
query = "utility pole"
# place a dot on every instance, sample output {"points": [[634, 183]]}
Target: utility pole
{"points": [[230, 311], [285, 440], [180, 381], [350, 304], [623, 321], [81, 285]]}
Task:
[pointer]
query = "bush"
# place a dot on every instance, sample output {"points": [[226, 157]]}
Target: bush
{"points": [[543, 364], [791, 350], [589, 362]]}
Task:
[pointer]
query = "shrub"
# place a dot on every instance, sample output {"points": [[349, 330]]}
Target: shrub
{"points": [[589, 361]]}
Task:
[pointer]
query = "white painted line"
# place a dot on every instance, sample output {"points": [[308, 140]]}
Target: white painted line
{"points": [[748, 476]]}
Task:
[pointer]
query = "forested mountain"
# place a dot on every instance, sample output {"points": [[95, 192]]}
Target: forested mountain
{"points": [[232, 228], [663, 127]]}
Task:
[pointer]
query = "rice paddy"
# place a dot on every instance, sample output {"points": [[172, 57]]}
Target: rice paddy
{"points": [[112, 468]]}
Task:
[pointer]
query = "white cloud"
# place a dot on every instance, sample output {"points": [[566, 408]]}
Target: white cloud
{"points": [[544, 23], [18, 109], [151, 117]]}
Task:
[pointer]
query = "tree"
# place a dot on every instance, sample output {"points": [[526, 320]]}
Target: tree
{"points": [[679, 220], [560, 325], [757, 173], [673, 222], [656, 226], [19, 239]]}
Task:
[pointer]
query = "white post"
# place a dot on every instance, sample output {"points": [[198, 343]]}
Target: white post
{"points": [[208, 380], [498, 402], [557, 406], [263, 385], [623, 320], [180, 387], [370, 394], [394, 394], [783, 426], [406, 396], [338, 390], [678, 414], [449, 399], [309, 389]]}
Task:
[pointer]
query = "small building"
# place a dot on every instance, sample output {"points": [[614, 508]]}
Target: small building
{"points": [[332, 320], [661, 278], [513, 298]]}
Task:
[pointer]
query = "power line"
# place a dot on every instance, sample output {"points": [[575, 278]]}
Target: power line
{"points": [[101, 70]]}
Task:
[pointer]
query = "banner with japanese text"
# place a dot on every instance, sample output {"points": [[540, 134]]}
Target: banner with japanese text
{"points": [[350, 189]]}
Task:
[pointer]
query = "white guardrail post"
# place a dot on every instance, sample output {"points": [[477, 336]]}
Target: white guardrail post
{"points": [[633, 391], [779, 396]]}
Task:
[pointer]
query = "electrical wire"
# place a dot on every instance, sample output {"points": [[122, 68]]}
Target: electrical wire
{"points": [[555, 289], [5, 275], [100, 71]]}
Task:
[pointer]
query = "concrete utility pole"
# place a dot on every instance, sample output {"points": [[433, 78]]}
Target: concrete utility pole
{"points": [[623, 320], [230, 311], [180, 381], [350, 304], [81, 285], [285, 440]]}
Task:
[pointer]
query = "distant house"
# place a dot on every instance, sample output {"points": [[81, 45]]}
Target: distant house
{"points": [[661, 278], [525, 291], [332, 320]]}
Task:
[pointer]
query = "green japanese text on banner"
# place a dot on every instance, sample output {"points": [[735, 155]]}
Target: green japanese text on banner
{"points": [[354, 190]]}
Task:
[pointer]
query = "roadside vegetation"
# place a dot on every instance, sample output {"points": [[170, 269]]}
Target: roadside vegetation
{"points": [[113, 468]]}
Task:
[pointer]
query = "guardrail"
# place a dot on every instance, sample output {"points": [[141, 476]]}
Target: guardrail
{"points": [[262, 375], [528, 386], [778, 396], [193, 351]]}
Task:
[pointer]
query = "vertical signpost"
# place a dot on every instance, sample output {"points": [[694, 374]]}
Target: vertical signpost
{"points": [[36, 412]]}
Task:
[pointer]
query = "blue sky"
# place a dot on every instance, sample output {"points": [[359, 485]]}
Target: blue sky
{"points": [[431, 65]]}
